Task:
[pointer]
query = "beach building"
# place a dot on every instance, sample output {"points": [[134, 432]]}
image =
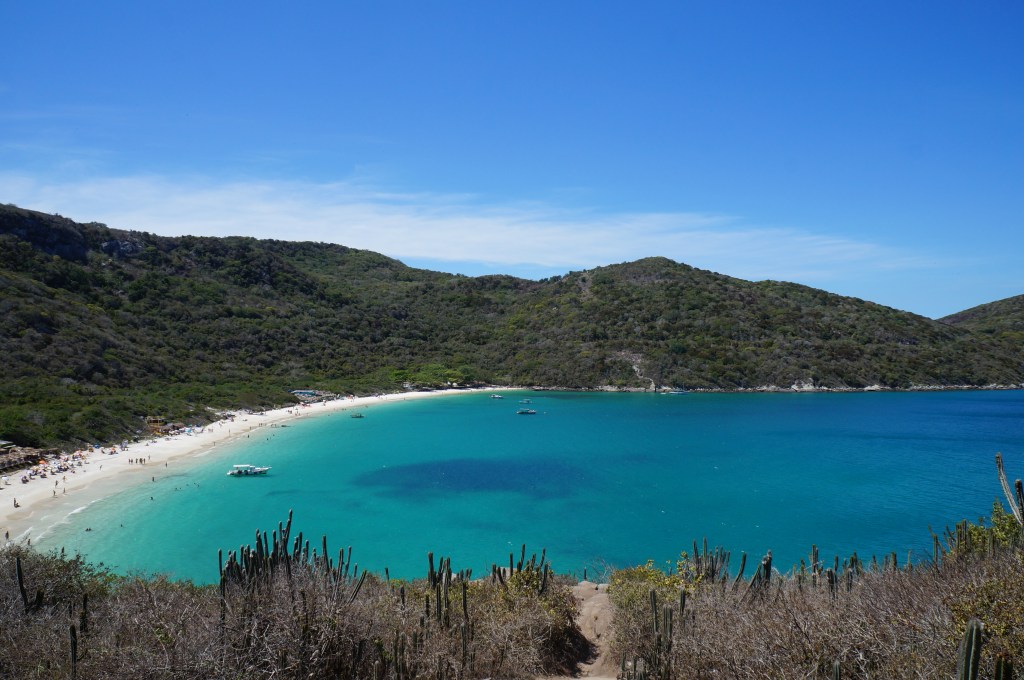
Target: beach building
{"points": [[307, 395], [14, 457]]}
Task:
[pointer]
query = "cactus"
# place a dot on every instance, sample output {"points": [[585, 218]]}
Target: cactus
{"points": [[83, 616], [937, 551], [74, 653], [1004, 668], [969, 655], [21, 581], [465, 644], [856, 565], [739, 574], [657, 665], [851, 570], [961, 540], [654, 609], [223, 605], [355, 591], [29, 606], [762, 577], [711, 567], [1014, 498], [465, 601]]}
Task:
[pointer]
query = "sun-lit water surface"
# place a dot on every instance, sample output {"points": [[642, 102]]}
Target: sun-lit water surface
{"points": [[597, 479]]}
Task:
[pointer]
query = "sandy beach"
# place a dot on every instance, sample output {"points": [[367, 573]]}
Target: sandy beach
{"points": [[44, 503]]}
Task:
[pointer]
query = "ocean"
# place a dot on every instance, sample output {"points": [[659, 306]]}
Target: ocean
{"points": [[599, 480]]}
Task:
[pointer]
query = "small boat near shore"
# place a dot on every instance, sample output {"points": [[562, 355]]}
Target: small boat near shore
{"points": [[246, 470], [526, 412], [357, 415], [497, 396]]}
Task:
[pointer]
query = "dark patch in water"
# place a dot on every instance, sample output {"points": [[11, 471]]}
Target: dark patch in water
{"points": [[638, 458], [535, 478]]}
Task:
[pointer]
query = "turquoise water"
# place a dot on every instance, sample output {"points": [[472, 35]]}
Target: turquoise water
{"points": [[598, 479]]}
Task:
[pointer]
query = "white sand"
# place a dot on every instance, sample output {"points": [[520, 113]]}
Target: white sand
{"points": [[105, 474]]}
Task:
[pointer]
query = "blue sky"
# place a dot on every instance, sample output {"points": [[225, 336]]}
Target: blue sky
{"points": [[872, 149]]}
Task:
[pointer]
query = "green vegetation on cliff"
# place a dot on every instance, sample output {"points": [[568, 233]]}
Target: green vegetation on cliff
{"points": [[1002, 319], [101, 327]]}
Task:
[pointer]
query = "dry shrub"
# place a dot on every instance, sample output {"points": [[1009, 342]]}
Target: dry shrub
{"points": [[882, 623], [301, 618], [532, 632], [993, 592]]}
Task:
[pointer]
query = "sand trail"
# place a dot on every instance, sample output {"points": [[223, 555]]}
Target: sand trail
{"points": [[594, 620]]}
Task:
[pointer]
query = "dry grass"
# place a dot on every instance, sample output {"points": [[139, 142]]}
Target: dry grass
{"points": [[889, 623], [303, 619], [292, 614]]}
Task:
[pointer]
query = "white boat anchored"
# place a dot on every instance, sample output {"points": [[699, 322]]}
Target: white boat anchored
{"points": [[246, 470]]}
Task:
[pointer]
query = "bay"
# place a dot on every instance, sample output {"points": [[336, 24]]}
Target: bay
{"points": [[600, 480]]}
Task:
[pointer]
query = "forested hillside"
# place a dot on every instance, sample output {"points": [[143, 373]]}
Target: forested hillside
{"points": [[1002, 319], [101, 327]]}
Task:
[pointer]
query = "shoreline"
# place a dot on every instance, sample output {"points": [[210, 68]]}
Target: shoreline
{"points": [[795, 388], [42, 505]]}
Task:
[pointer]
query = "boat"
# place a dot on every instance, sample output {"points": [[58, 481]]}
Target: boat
{"points": [[497, 396], [526, 412], [246, 470], [525, 401], [356, 415]]}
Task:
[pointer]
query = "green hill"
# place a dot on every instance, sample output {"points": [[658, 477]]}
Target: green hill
{"points": [[1002, 319], [102, 326]]}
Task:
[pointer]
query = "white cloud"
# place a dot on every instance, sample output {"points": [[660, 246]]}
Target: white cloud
{"points": [[453, 228]]}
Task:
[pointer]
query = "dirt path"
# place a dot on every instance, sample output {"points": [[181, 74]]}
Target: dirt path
{"points": [[595, 621]]}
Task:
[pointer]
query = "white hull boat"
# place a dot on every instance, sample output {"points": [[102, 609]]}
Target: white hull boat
{"points": [[247, 470]]}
